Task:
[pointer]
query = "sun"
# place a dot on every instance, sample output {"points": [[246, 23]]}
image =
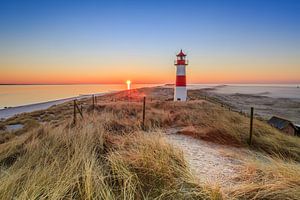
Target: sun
{"points": [[128, 82]]}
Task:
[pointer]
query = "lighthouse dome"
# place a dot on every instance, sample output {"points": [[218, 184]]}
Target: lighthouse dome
{"points": [[181, 53]]}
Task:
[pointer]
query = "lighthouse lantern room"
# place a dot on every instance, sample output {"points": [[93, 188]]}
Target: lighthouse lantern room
{"points": [[180, 92]]}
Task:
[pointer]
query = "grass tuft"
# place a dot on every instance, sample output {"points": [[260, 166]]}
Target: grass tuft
{"points": [[268, 178]]}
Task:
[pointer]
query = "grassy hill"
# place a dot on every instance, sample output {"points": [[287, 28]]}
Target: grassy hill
{"points": [[109, 155]]}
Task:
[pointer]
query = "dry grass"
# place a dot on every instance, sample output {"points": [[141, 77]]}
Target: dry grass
{"points": [[90, 162], [268, 179], [216, 124]]}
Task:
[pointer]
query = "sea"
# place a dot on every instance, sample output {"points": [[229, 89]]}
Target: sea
{"points": [[21, 95]]}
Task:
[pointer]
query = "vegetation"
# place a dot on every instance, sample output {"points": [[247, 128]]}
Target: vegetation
{"points": [[210, 122], [268, 179], [94, 161], [108, 156]]}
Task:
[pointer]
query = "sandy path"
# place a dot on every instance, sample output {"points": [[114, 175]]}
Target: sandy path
{"points": [[211, 163]]}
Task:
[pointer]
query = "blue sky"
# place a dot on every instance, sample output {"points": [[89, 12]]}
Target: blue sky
{"points": [[223, 37]]}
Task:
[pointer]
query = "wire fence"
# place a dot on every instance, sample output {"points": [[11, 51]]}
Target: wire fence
{"points": [[78, 109]]}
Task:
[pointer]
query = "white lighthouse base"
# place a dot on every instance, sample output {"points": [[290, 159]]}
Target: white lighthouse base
{"points": [[180, 93]]}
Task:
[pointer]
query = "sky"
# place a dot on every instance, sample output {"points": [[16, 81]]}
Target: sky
{"points": [[77, 41]]}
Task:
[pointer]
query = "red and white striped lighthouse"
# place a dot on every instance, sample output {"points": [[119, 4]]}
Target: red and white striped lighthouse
{"points": [[180, 88]]}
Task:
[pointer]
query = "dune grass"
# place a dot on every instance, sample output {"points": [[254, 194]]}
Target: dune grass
{"points": [[216, 124], [90, 162], [267, 178], [206, 121]]}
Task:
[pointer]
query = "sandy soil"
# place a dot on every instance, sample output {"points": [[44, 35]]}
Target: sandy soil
{"points": [[266, 107], [211, 163]]}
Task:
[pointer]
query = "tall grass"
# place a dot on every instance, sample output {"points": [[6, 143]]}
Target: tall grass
{"points": [[89, 162], [270, 178]]}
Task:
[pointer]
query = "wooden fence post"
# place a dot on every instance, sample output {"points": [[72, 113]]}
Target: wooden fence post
{"points": [[80, 112], [74, 112], [251, 126], [93, 97], [144, 112], [75, 106]]}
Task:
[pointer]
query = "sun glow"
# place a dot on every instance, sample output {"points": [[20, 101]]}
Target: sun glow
{"points": [[128, 82]]}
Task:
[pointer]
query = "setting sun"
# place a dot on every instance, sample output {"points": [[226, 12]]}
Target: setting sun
{"points": [[128, 82]]}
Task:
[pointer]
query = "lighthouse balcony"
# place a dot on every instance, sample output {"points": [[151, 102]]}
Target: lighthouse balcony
{"points": [[181, 62]]}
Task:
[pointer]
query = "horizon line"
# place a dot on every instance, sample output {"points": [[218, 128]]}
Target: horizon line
{"points": [[263, 83]]}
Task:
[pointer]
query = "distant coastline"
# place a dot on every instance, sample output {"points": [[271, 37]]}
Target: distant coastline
{"points": [[17, 95], [11, 111]]}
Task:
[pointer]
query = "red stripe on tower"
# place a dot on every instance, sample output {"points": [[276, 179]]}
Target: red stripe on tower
{"points": [[180, 80]]}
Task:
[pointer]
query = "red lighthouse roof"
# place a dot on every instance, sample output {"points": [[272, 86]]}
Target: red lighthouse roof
{"points": [[181, 53]]}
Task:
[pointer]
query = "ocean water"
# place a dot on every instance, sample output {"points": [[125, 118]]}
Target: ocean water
{"points": [[18, 95]]}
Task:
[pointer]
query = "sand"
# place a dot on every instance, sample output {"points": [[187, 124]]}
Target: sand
{"points": [[210, 163], [264, 106]]}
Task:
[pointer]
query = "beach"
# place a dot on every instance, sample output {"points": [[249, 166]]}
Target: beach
{"points": [[281, 101], [11, 111]]}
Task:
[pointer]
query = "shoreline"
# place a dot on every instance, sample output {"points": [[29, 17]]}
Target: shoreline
{"points": [[12, 111], [6, 113], [7, 110]]}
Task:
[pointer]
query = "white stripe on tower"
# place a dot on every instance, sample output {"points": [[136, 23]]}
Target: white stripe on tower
{"points": [[180, 70]]}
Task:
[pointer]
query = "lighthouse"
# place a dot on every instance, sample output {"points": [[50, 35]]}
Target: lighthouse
{"points": [[180, 87]]}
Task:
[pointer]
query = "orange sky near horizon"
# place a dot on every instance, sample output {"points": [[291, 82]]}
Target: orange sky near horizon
{"points": [[141, 69]]}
